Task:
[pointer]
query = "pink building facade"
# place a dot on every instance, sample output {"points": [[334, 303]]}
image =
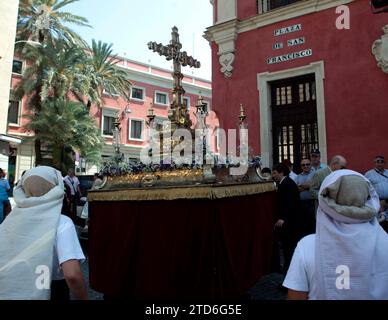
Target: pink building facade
{"points": [[150, 85], [311, 74]]}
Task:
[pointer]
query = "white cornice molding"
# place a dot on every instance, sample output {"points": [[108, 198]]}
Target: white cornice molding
{"points": [[294, 10], [221, 32], [154, 68], [225, 37], [21, 134], [225, 34], [380, 50], [164, 82]]}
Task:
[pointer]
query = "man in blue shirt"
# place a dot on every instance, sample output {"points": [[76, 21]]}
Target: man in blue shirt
{"points": [[303, 181], [379, 179], [316, 163], [4, 189]]}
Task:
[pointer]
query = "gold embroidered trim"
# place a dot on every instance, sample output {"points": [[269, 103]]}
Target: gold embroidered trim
{"points": [[184, 192]]}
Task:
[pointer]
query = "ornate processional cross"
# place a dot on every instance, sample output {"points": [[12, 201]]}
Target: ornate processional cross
{"points": [[178, 110]]}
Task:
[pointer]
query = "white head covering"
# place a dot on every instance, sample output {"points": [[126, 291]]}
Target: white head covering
{"points": [[27, 238], [349, 238]]}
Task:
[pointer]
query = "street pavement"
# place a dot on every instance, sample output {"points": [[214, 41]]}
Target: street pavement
{"points": [[265, 289], [93, 295]]}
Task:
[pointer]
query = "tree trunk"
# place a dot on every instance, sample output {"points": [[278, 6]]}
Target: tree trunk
{"points": [[58, 157], [38, 108], [41, 36], [38, 145], [38, 154]]}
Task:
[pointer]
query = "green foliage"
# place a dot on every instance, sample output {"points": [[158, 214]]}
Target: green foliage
{"points": [[62, 124], [64, 68], [61, 69], [56, 71], [50, 25], [101, 73]]}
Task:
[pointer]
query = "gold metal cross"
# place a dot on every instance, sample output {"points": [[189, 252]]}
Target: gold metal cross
{"points": [[178, 110]]}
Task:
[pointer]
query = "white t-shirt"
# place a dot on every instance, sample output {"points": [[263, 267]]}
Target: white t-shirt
{"points": [[66, 246], [300, 275]]}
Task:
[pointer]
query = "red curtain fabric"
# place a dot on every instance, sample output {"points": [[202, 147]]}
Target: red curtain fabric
{"points": [[181, 249]]}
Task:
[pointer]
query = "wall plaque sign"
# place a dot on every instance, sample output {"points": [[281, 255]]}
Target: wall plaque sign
{"points": [[277, 46], [295, 42], [289, 29], [290, 56]]}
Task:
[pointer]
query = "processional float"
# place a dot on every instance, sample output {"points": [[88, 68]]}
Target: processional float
{"points": [[161, 168], [160, 227]]}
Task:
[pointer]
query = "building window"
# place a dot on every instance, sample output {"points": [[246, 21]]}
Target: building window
{"points": [[17, 66], [13, 112], [283, 95], [267, 5], [307, 91], [137, 93], [136, 129], [187, 102], [108, 125], [111, 92], [161, 98], [206, 107]]}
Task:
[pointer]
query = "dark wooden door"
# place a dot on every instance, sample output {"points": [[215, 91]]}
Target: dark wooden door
{"points": [[294, 119]]}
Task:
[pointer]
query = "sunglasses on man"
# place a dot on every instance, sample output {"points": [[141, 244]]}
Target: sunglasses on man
{"points": [[306, 164]]}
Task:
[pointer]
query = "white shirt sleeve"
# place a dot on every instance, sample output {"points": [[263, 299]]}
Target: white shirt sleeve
{"points": [[297, 278], [67, 243], [76, 182]]}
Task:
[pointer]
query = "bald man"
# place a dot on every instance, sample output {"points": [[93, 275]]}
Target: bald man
{"points": [[337, 162]]}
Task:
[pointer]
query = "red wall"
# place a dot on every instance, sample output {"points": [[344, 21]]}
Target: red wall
{"points": [[246, 9], [356, 90]]}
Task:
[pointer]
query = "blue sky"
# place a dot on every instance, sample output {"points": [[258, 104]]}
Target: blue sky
{"points": [[129, 25]]}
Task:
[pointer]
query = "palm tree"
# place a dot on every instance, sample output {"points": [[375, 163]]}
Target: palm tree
{"points": [[68, 69], [63, 66], [66, 125], [61, 72], [53, 73], [44, 21], [104, 75]]}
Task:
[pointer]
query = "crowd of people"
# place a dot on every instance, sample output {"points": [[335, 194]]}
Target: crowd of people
{"points": [[329, 217], [329, 220]]}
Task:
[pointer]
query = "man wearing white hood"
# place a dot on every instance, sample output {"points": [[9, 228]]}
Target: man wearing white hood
{"points": [[37, 243], [346, 259]]}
